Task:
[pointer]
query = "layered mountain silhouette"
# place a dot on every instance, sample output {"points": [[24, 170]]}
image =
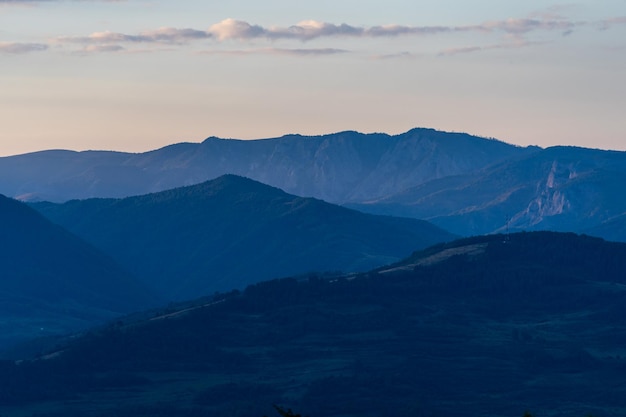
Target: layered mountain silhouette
{"points": [[465, 184], [339, 168], [233, 231], [53, 282], [490, 325]]}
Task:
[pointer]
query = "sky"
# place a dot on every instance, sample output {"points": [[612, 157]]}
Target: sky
{"points": [[135, 75]]}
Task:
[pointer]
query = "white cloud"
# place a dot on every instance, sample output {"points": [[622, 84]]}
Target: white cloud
{"points": [[231, 29], [235, 29], [514, 33]]}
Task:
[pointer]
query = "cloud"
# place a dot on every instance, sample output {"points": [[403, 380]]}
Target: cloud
{"points": [[514, 32], [173, 35], [398, 55], [526, 25], [235, 29], [231, 29], [470, 49], [308, 52], [161, 35], [311, 29], [463, 50], [21, 48], [279, 51], [398, 30], [91, 49]]}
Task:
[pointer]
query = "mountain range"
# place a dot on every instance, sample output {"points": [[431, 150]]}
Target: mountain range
{"points": [[337, 168], [465, 184], [53, 282], [486, 325], [491, 325], [233, 231]]}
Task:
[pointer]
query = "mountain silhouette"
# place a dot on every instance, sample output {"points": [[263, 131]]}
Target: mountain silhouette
{"points": [[53, 282], [465, 184], [233, 231], [339, 168]]}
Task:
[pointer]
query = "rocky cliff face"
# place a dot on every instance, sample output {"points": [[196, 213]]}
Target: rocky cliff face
{"points": [[549, 200], [565, 189]]}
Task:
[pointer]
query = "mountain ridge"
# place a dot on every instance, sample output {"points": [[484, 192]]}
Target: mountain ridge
{"points": [[336, 167], [488, 332], [233, 231], [465, 184]]}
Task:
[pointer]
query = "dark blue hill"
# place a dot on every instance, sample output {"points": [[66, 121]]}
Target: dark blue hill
{"points": [[489, 325], [232, 231], [53, 282]]}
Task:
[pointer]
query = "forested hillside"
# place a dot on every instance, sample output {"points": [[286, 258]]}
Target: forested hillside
{"points": [[233, 231], [484, 326]]}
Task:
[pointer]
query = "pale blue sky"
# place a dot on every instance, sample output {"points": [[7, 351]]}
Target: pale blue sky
{"points": [[139, 74]]}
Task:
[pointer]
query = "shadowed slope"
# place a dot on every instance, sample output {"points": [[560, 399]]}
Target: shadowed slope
{"points": [[482, 326], [53, 281], [233, 231]]}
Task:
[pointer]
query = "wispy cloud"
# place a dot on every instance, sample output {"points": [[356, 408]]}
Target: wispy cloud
{"points": [[161, 35], [526, 25], [470, 49], [231, 29], [21, 48], [513, 33], [308, 52], [311, 29], [397, 55], [92, 49], [278, 51]]}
